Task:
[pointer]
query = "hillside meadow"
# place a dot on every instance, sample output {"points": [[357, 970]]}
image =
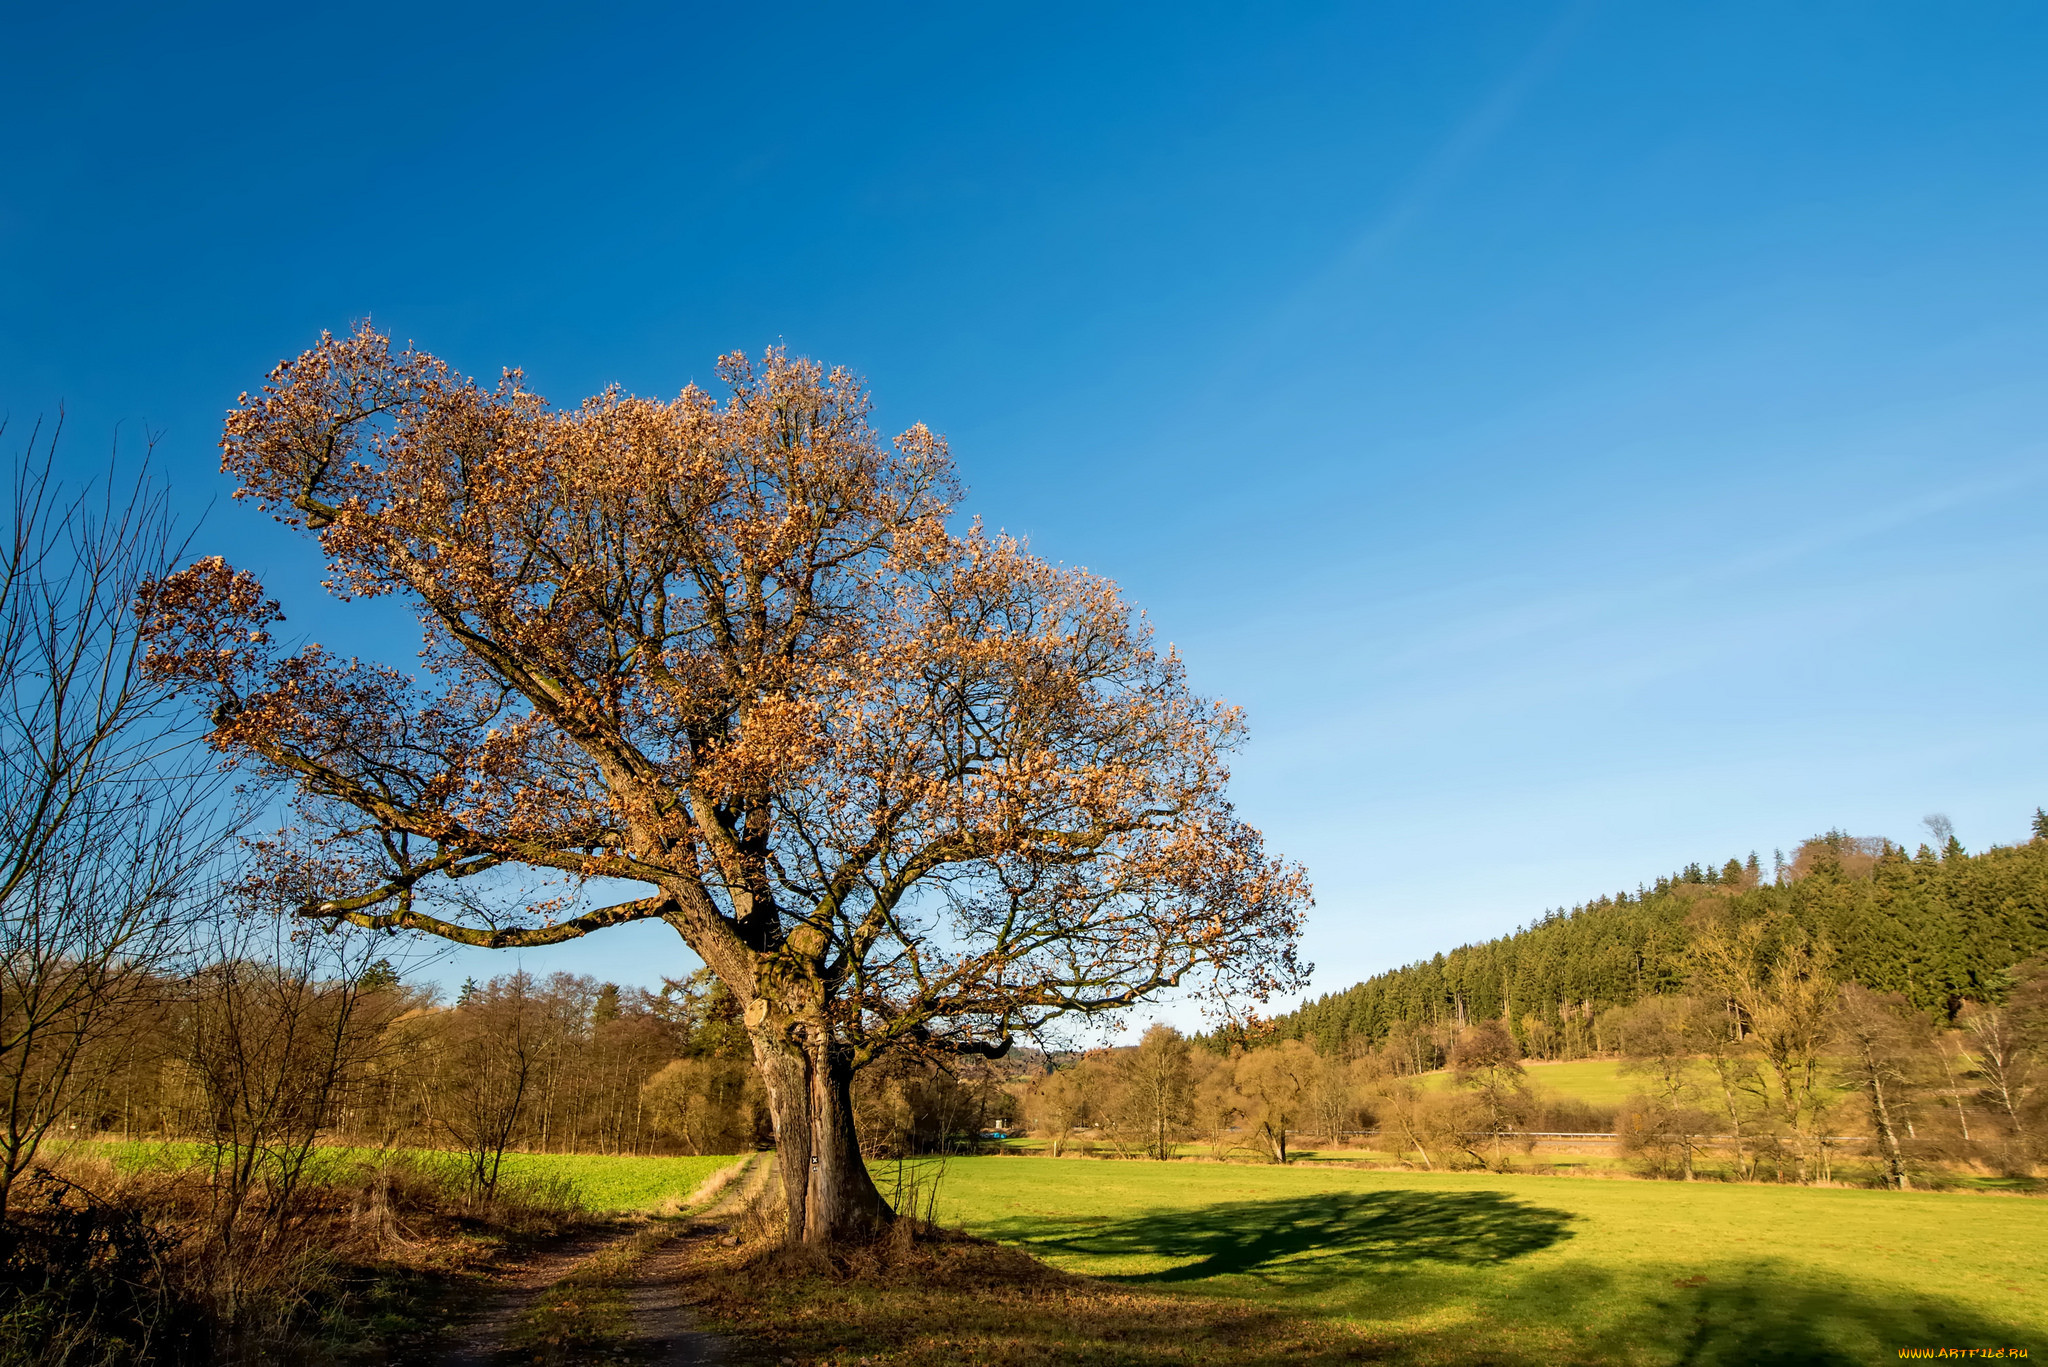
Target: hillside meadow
{"points": [[1596, 1081]]}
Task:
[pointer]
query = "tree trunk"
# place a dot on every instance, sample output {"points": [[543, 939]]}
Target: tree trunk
{"points": [[843, 1203], [827, 1192], [1881, 1114], [789, 1110]]}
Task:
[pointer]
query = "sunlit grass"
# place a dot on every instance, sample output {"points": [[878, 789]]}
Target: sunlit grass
{"points": [[604, 1183], [615, 1183], [1455, 1267], [1597, 1081]]}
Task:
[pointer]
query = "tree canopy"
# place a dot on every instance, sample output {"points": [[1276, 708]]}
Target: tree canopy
{"points": [[895, 784]]}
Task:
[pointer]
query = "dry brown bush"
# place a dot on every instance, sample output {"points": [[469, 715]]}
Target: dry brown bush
{"points": [[396, 1231]]}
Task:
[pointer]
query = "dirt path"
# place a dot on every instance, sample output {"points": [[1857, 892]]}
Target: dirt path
{"points": [[664, 1333], [481, 1339]]}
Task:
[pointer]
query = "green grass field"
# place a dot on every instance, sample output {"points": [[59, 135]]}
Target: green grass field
{"points": [[609, 1184], [604, 1183], [1512, 1269]]}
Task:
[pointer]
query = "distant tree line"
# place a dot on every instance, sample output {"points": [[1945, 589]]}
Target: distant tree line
{"points": [[559, 1063], [1939, 927], [1771, 1068], [1151, 1099]]}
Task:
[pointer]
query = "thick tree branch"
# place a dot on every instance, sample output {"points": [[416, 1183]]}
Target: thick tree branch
{"points": [[408, 918]]}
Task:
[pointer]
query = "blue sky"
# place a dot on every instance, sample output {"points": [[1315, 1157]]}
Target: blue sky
{"points": [[1586, 438]]}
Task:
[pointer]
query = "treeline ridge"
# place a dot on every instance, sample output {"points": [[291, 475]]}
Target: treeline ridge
{"points": [[1939, 927]]}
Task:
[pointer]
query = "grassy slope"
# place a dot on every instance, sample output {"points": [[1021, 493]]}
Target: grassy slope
{"points": [[1600, 1081], [1452, 1267], [1597, 1080]]}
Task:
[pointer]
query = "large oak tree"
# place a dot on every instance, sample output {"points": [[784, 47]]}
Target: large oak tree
{"points": [[898, 786]]}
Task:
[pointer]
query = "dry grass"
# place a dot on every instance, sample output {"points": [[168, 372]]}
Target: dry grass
{"points": [[368, 1264], [938, 1300]]}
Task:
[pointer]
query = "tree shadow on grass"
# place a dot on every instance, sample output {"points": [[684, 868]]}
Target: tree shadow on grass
{"points": [[1330, 1234], [1437, 1277], [1768, 1313], [963, 1301]]}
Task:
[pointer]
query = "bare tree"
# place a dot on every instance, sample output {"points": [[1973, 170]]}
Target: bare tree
{"points": [[1787, 1008], [1056, 1106], [1159, 1087], [1402, 1106], [1720, 1039], [1487, 1063], [2001, 1062], [1334, 1093], [707, 1103], [108, 819], [277, 1025], [1951, 1054], [1882, 1047], [499, 1043], [1666, 1121], [1273, 1087]]}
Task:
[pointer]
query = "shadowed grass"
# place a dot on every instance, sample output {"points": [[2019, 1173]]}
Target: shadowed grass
{"points": [[1306, 1240], [968, 1302]]}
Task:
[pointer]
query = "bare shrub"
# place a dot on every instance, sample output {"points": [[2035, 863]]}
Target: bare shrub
{"points": [[108, 819]]}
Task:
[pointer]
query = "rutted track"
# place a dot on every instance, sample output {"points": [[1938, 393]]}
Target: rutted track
{"points": [[482, 1339], [663, 1331]]}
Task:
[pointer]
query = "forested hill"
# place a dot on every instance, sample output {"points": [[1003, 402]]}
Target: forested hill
{"points": [[1939, 927]]}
